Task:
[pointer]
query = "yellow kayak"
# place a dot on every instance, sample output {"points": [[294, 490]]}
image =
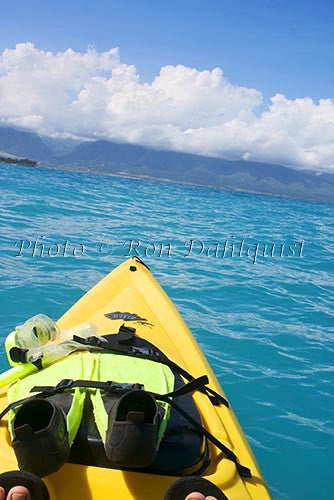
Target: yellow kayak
{"points": [[131, 296]]}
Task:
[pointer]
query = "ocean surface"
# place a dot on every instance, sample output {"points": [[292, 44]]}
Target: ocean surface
{"points": [[252, 275]]}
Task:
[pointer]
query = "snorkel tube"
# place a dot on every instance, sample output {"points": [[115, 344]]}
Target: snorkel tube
{"points": [[15, 373]]}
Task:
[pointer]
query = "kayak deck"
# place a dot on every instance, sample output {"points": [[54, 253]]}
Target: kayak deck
{"points": [[130, 295]]}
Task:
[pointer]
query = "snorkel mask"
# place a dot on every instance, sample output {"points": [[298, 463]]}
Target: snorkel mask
{"points": [[40, 340]]}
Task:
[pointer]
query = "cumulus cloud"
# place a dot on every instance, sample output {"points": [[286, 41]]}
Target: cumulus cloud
{"points": [[94, 95]]}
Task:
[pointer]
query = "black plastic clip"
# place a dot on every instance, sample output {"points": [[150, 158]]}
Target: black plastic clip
{"points": [[90, 341], [114, 387], [126, 335], [146, 352], [18, 355]]}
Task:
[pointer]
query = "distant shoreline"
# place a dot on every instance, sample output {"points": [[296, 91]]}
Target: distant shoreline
{"points": [[18, 161], [165, 180], [134, 161]]}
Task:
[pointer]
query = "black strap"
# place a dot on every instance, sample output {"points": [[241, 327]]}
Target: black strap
{"points": [[45, 391], [243, 471], [214, 396], [109, 386], [150, 354], [13, 405], [115, 387], [194, 385], [64, 384]]}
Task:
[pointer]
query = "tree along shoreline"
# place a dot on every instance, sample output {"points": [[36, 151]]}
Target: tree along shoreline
{"points": [[18, 161]]}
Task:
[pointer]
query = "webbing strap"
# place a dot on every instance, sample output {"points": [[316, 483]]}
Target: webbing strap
{"points": [[214, 396], [15, 404], [64, 384], [149, 354], [243, 471], [109, 386], [193, 385], [115, 387]]}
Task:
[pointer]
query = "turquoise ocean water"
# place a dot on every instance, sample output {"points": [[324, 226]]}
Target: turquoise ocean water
{"points": [[264, 322]]}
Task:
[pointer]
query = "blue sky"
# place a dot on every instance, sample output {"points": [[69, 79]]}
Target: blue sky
{"points": [[273, 46]]}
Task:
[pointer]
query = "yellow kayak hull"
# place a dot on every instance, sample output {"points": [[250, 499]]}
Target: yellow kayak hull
{"points": [[132, 289]]}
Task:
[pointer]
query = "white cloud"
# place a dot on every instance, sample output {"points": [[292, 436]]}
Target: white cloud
{"points": [[94, 95]]}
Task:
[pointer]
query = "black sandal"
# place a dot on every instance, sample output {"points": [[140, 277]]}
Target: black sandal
{"points": [[185, 485], [35, 485]]}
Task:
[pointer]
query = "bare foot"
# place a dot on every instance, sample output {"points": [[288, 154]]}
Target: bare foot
{"points": [[192, 496], [16, 493], [196, 496]]}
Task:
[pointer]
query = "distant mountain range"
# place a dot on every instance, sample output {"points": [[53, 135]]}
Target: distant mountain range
{"points": [[22, 143], [126, 159]]}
